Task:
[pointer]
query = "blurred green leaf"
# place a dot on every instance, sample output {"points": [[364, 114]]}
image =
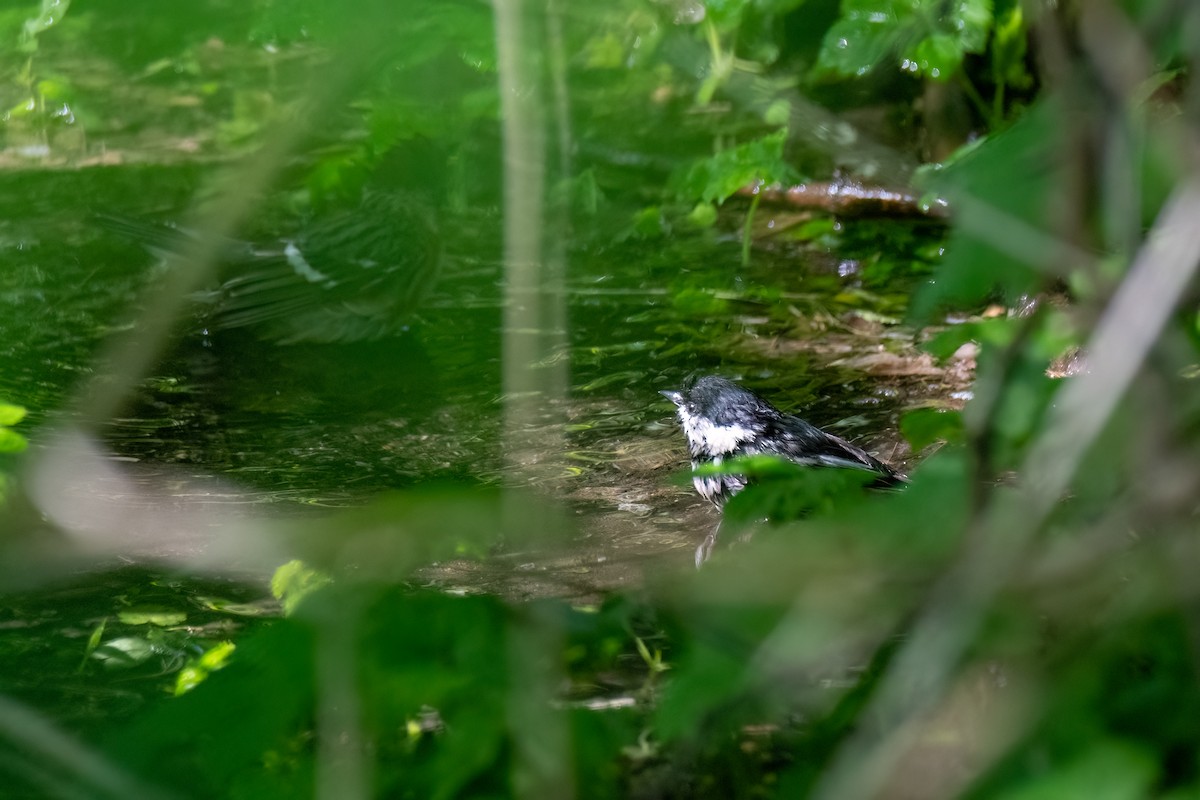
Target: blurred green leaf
{"points": [[1109, 770], [92, 643], [1024, 178], [258, 609], [649, 223], [1009, 49], [52, 11], [697, 302], [996, 331], [151, 615], [783, 490], [703, 215], [926, 37], [716, 178], [12, 442], [124, 652], [294, 581], [924, 426], [198, 669]]}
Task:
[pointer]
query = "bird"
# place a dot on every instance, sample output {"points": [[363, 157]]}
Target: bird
{"points": [[352, 275], [722, 420]]}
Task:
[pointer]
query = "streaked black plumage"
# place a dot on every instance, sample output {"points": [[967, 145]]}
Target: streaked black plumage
{"points": [[721, 420], [351, 275]]}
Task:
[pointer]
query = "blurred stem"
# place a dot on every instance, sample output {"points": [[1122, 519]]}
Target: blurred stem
{"points": [[714, 44], [558, 74], [342, 768], [980, 421], [985, 111], [541, 739], [555, 371], [56, 758], [532, 296], [533, 315], [747, 229], [722, 65]]}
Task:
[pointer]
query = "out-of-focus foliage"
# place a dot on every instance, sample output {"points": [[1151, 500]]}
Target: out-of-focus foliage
{"points": [[929, 39], [11, 442]]}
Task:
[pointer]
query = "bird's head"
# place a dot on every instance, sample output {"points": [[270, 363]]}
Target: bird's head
{"points": [[717, 415]]}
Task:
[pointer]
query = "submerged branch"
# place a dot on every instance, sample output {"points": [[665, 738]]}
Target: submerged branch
{"points": [[848, 198]]}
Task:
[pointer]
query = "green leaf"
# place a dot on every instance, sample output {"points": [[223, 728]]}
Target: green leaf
{"points": [[698, 303], [1109, 770], [257, 609], [854, 45], [924, 426], [938, 56], [923, 37], [703, 215], [998, 331], [152, 615], [716, 178], [649, 223], [196, 670], [1004, 190], [1008, 50], [92, 643], [123, 653], [12, 442], [294, 581], [51, 12], [783, 490]]}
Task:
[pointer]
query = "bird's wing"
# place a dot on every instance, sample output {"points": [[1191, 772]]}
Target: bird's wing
{"points": [[809, 445]]}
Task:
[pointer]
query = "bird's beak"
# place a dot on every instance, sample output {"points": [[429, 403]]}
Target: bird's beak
{"points": [[673, 396]]}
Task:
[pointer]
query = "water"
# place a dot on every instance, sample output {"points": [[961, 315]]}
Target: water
{"points": [[229, 439], [336, 425]]}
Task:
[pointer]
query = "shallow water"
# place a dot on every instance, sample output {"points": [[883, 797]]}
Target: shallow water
{"points": [[230, 441], [336, 425]]}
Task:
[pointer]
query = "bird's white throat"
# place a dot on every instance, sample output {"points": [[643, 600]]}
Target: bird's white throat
{"points": [[711, 439]]}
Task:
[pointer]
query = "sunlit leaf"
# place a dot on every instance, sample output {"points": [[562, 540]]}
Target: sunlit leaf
{"points": [[10, 414], [125, 652], [197, 669], [93, 642], [258, 609], [294, 581], [151, 615]]}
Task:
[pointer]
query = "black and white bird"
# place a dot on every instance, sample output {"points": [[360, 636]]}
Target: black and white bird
{"points": [[722, 420], [352, 275]]}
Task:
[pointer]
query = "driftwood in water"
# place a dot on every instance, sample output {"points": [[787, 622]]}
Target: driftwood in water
{"points": [[848, 198]]}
